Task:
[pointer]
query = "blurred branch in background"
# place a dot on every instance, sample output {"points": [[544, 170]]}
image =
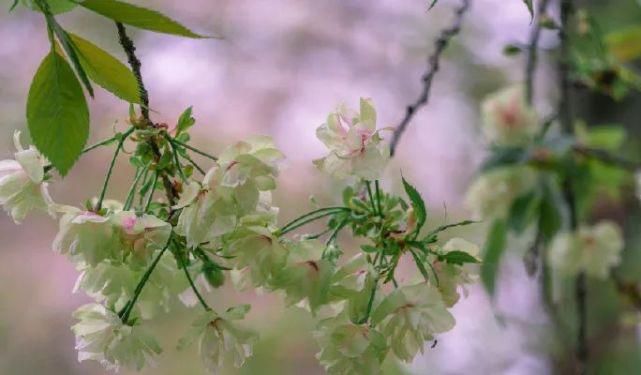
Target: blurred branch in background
{"points": [[533, 46], [433, 61]]}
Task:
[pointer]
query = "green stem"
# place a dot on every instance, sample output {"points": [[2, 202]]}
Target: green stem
{"points": [[100, 144], [190, 160], [132, 191], [176, 160], [124, 314], [144, 181], [111, 168], [378, 198], [150, 197], [371, 197], [193, 286], [194, 149], [309, 217]]}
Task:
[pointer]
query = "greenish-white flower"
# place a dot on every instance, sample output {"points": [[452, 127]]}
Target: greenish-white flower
{"points": [[452, 278], [354, 283], [101, 336], [114, 285], [493, 192], [256, 248], [356, 147], [140, 235], [348, 348], [507, 118], [591, 249], [411, 315], [305, 277], [230, 191], [87, 237], [221, 341], [22, 185]]}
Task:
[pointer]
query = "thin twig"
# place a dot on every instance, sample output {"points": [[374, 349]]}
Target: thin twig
{"points": [[533, 47], [434, 60]]}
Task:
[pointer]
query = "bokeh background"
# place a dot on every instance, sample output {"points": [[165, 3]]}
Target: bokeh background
{"points": [[283, 65]]}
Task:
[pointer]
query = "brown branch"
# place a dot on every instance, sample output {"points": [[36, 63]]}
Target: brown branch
{"points": [[130, 50], [533, 47], [427, 78]]}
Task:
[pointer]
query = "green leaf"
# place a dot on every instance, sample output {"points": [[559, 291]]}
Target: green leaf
{"points": [[512, 49], [458, 257], [625, 44], [421, 266], [70, 49], [185, 121], [55, 6], [530, 8], [369, 249], [549, 216], [523, 211], [494, 246], [417, 203], [106, 70], [607, 137], [433, 4], [57, 113], [140, 17]]}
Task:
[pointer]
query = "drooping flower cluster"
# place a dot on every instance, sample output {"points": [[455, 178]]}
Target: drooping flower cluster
{"points": [[591, 249], [136, 260]]}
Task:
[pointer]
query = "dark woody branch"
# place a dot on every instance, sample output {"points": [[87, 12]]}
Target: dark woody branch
{"points": [[434, 60]]}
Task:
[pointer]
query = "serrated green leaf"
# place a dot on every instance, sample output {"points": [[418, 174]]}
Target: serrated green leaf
{"points": [[417, 203], [106, 70], [185, 121], [421, 266], [493, 251], [139, 17], [458, 257], [57, 113], [530, 8]]}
